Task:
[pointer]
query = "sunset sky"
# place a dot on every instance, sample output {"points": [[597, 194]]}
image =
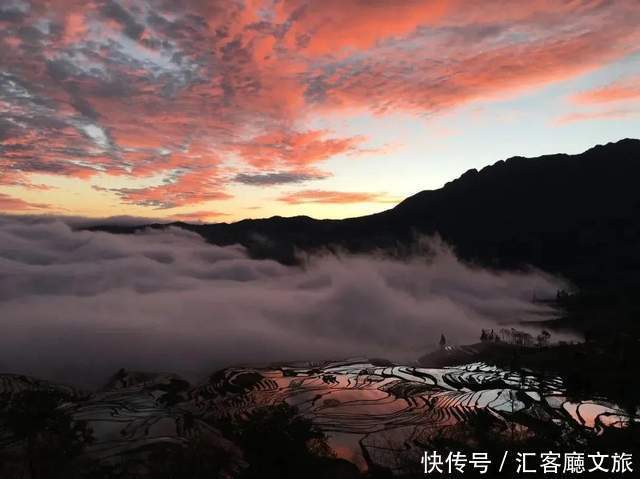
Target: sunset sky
{"points": [[218, 110]]}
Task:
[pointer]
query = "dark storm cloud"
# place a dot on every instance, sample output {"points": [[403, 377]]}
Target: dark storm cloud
{"points": [[77, 305], [190, 27], [31, 34], [60, 69], [13, 10], [83, 107], [278, 178], [115, 11], [5, 129]]}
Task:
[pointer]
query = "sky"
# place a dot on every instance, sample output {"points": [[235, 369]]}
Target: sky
{"points": [[206, 110]]}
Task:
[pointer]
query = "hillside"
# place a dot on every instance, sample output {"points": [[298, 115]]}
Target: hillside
{"points": [[573, 215]]}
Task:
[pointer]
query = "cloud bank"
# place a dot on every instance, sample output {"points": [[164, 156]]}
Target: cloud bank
{"points": [[77, 305]]}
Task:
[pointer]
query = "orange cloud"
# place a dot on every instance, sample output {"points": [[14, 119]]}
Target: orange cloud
{"points": [[340, 27], [186, 188], [328, 26], [627, 89], [597, 115], [75, 27], [339, 197], [294, 149], [10, 203], [197, 215], [388, 84], [534, 12]]}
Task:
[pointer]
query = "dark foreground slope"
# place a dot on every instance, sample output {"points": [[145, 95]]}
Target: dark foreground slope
{"points": [[573, 215], [352, 419]]}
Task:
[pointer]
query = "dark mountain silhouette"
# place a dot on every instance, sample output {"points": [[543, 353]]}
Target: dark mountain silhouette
{"points": [[573, 215]]}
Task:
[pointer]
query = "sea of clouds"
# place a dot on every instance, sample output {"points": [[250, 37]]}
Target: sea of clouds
{"points": [[77, 305]]}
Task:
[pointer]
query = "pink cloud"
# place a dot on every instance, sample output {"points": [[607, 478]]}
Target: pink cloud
{"points": [[294, 149], [597, 115], [329, 26], [197, 215], [335, 197], [10, 203], [387, 84], [627, 89], [185, 189]]}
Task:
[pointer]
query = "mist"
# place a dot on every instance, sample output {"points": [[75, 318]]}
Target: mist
{"points": [[75, 306]]}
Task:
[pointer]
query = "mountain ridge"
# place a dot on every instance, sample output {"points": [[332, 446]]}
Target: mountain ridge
{"points": [[577, 216]]}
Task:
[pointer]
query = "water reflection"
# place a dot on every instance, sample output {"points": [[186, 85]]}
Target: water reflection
{"points": [[370, 412], [374, 411]]}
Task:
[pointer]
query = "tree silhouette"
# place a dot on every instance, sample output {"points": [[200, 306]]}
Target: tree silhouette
{"points": [[52, 439], [279, 442]]}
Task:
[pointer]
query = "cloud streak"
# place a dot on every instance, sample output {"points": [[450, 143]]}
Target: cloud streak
{"points": [[335, 197], [615, 113], [9, 203], [627, 89], [277, 178]]}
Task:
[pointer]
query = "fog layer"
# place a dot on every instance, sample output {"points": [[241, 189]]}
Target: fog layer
{"points": [[77, 305]]}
